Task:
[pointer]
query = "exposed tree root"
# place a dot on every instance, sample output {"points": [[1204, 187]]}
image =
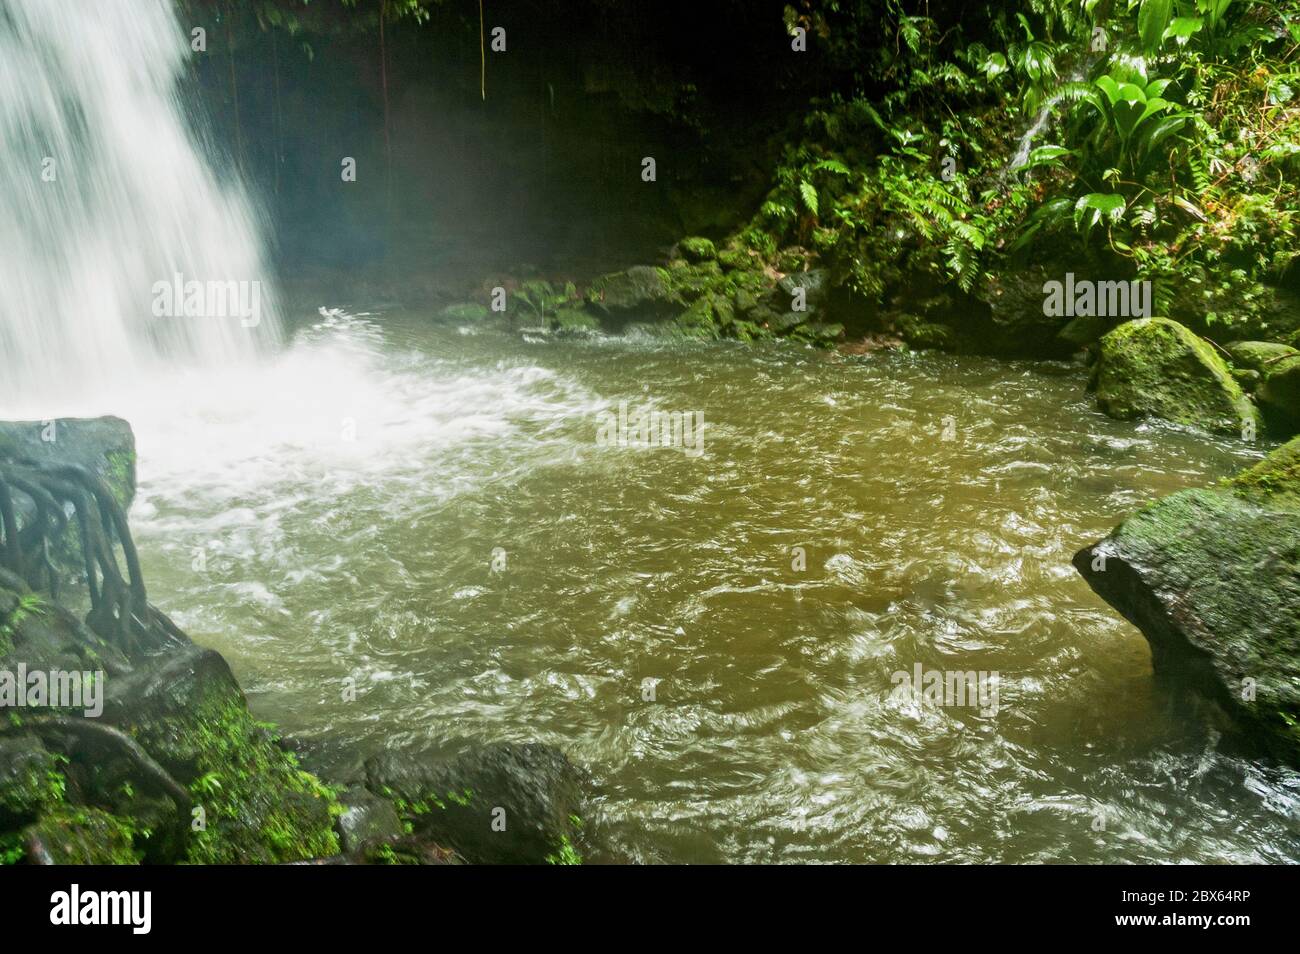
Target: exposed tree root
{"points": [[120, 610], [114, 743]]}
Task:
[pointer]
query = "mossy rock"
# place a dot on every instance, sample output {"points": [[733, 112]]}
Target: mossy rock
{"points": [[690, 282], [699, 321], [1158, 368], [1082, 331], [1258, 355], [30, 780], [103, 445], [1212, 578], [258, 806], [639, 293], [500, 803], [367, 820], [736, 260], [823, 334], [749, 331], [76, 835], [1279, 393], [792, 259], [574, 321], [471, 312], [697, 249]]}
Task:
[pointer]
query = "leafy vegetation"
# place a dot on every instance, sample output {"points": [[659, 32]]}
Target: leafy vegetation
{"points": [[1155, 138]]}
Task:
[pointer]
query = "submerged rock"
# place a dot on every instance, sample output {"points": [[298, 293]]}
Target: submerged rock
{"points": [[504, 803], [1212, 578], [1158, 368]]}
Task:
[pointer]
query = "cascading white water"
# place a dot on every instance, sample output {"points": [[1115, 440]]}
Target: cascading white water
{"points": [[104, 193]]}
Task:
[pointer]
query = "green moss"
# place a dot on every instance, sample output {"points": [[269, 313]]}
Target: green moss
{"points": [[1258, 355], [465, 311], [564, 854], [1277, 475], [734, 259], [119, 474], [697, 249], [1157, 367], [33, 780], [573, 320], [86, 836], [1213, 580], [259, 806]]}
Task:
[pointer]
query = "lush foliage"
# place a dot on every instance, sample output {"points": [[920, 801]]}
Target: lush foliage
{"points": [[1158, 136]]}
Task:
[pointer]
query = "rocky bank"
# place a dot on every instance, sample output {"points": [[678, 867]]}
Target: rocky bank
{"points": [[151, 755]]}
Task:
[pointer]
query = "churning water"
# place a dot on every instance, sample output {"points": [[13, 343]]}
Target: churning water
{"points": [[427, 512], [431, 516], [104, 193]]}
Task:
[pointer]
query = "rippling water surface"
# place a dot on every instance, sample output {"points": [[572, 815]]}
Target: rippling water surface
{"points": [[334, 513]]}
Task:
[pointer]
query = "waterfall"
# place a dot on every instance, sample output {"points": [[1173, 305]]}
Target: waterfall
{"points": [[108, 207], [1044, 116]]}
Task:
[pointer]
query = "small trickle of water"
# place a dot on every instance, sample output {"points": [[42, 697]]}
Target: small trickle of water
{"points": [[1041, 120], [104, 194]]}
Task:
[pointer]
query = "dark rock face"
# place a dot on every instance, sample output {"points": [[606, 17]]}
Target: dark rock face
{"points": [[103, 445], [497, 804], [1279, 394], [1212, 578]]}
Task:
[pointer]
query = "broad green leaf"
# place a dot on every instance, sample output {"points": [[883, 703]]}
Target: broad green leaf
{"points": [[1183, 28], [1153, 17]]}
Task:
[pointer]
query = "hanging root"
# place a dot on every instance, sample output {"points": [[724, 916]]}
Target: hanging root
{"points": [[119, 606]]}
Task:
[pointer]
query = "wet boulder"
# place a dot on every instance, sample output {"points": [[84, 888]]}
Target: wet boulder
{"points": [[1008, 316], [1212, 579], [642, 292], [695, 248], [812, 288], [504, 803], [257, 806], [103, 445], [1258, 355], [1154, 367], [366, 819], [1279, 394], [28, 780]]}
